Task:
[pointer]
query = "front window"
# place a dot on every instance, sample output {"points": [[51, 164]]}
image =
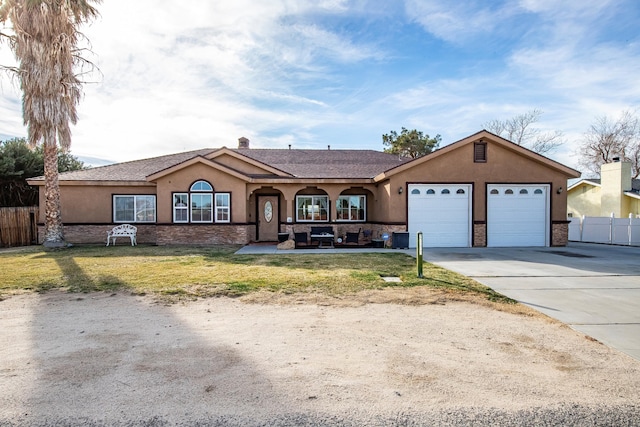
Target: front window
{"points": [[134, 208], [351, 208], [201, 207], [223, 207], [181, 207], [312, 208]]}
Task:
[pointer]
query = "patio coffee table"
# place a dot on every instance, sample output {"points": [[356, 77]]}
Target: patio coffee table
{"points": [[323, 238]]}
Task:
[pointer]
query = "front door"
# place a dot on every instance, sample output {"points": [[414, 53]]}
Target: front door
{"points": [[268, 218]]}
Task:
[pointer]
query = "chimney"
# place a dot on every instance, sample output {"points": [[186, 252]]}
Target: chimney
{"points": [[615, 179], [243, 142], [289, 146], [328, 147]]}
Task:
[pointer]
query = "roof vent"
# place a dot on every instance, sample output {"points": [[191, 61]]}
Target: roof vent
{"points": [[243, 142]]}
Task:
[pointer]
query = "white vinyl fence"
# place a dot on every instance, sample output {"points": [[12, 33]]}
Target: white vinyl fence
{"points": [[602, 229]]}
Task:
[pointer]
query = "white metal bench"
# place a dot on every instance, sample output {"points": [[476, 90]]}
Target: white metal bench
{"points": [[122, 230]]}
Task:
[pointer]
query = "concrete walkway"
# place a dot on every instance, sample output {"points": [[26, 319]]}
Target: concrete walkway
{"points": [[595, 289]]}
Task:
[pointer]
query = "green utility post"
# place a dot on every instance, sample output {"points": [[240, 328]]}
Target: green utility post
{"points": [[419, 254]]}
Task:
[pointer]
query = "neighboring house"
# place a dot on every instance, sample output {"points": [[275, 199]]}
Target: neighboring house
{"points": [[614, 193], [480, 191]]}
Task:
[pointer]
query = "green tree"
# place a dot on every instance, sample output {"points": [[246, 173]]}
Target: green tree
{"points": [[17, 163], [44, 39], [410, 143], [520, 130]]}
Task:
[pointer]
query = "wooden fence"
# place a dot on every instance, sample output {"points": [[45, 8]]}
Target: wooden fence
{"points": [[18, 226]]}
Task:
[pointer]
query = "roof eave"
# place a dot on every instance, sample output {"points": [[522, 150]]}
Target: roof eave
{"points": [[632, 195], [581, 182], [194, 160], [571, 173], [99, 183], [254, 162]]}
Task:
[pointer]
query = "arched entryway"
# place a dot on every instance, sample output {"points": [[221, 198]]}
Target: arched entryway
{"points": [[268, 206]]}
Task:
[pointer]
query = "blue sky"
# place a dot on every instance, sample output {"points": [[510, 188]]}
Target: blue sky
{"points": [[186, 75]]}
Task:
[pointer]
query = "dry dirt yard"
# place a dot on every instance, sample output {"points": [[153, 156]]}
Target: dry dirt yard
{"points": [[393, 357]]}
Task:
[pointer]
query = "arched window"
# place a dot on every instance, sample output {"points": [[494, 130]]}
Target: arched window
{"points": [[201, 186], [200, 206], [508, 191], [494, 191], [415, 191], [445, 191], [431, 191], [524, 191], [538, 191], [460, 191]]}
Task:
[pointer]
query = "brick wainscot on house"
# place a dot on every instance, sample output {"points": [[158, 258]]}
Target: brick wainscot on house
{"points": [[480, 191]]}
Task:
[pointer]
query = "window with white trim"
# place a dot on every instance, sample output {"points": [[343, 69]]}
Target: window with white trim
{"points": [[201, 186], [223, 207], [351, 208], [134, 208], [180, 207], [312, 208], [201, 205]]}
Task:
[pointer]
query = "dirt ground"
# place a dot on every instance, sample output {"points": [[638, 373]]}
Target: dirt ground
{"points": [[397, 356]]}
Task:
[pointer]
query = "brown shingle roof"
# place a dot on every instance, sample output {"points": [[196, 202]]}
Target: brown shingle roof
{"points": [[136, 170], [326, 163], [299, 163]]}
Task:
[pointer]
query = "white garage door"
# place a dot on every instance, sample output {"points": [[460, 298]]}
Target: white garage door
{"points": [[442, 212], [517, 215]]}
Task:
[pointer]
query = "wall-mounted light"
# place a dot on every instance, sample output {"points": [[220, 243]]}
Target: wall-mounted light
{"points": [[559, 190], [400, 190]]}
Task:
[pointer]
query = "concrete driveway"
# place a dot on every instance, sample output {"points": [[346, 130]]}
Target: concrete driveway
{"points": [[595, 289]]}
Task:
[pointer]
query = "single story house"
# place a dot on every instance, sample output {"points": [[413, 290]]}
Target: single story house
{"points": [[480, 191], [615, 192]]}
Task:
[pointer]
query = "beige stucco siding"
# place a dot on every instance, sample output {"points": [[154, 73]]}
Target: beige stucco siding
{"points": [[288, 193], [584, 200], [86, 204], [181, 181], [239, 164], [458, 166], [634, 206]]}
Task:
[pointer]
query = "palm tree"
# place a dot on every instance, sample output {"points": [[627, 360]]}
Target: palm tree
{"points": [[45, 43]]}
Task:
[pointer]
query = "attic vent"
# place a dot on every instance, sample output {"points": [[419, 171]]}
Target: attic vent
{"points": [[243, 142], [480, 152]]}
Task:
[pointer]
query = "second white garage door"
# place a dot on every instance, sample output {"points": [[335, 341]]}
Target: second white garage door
{"points": [[442, 212], [517, 215]]}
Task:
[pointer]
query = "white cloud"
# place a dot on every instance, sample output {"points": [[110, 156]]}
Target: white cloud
{"points": [[308, 73], [458, 21], [184, 77]]}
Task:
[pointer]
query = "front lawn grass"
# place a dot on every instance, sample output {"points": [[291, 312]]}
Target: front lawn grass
{"points": [[194, 272]]}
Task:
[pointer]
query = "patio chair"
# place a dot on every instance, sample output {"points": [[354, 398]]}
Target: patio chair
{"points": [[300, 238], [352, 237]]}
